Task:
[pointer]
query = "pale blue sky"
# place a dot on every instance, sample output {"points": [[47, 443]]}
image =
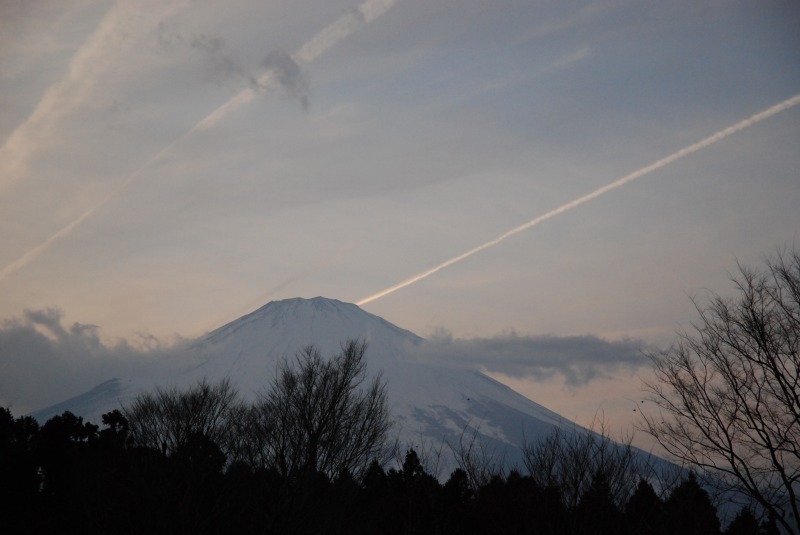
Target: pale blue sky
{"points": [[429, 130]]}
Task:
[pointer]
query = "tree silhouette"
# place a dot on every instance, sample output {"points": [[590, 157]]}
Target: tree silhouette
{"points": [[457, 489], [166, 419], [19, 474], [320, 416], [745, 523], [596, 511], [689, 510], [414, 494], [569, 460], [644, 510], [729, 391], [57, 443]]}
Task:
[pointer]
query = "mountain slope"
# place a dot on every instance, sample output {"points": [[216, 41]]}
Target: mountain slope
{"points": [[431, 402]]}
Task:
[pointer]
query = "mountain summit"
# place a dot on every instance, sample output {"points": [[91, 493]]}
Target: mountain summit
{"points": [[432, 401], [279, 329]]}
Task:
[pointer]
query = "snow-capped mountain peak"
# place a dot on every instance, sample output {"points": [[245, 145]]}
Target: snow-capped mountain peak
{"points": [[298, 319], [432, 402]]}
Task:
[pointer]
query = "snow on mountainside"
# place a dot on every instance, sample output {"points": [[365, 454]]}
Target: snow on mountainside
{"points": [[248, 348], [431, 402]]}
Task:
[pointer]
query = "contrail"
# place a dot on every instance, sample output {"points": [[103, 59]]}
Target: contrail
{"points": [[326, 39], [710, 140], [75, 88]]}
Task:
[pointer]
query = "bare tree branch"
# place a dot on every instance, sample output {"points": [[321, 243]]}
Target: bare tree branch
{"points": [[728, 389], [321, 415]]}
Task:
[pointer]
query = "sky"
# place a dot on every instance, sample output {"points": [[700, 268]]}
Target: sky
{"points": [[166, 167]]}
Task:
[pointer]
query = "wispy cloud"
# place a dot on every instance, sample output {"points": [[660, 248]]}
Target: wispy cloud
{"points": [[284, 69], [571, 58], [578, 359], [213, 46], [574, 19], [288, 75]]}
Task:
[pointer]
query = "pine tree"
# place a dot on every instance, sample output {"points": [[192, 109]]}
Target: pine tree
{"points": [[596, 511], [745, 523], [689, 510], [644, 510]]}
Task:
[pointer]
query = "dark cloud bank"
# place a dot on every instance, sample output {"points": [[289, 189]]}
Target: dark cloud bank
{"points": [[42, 362], [579, 359]]}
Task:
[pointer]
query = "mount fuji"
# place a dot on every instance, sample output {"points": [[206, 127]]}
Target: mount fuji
{"points": [[432, 402]]}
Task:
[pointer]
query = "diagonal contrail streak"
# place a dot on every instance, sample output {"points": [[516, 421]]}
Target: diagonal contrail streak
{"points": [[710, 140], [84, 73], [326, 39]]}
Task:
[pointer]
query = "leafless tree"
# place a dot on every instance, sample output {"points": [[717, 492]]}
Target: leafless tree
{"points": [[320, 415], [166, 419], [568, 459], [727, 390], [477, 459], [429, 453]]}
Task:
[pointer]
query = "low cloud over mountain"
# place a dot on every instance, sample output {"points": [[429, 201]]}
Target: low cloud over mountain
{"points": [[43, 361], [579, 359]]}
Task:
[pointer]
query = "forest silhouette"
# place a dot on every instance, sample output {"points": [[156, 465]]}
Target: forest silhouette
{"points": [[201, 461]]}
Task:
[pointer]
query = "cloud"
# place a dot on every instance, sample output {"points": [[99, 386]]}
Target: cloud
{"points": [[579, 359], [571, 58], [288, 75], [211, 46], [224, 65], [43, 362]]}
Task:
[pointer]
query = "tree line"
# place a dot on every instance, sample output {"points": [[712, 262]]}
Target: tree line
{"points": [[69, 476], [311, 455]]}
